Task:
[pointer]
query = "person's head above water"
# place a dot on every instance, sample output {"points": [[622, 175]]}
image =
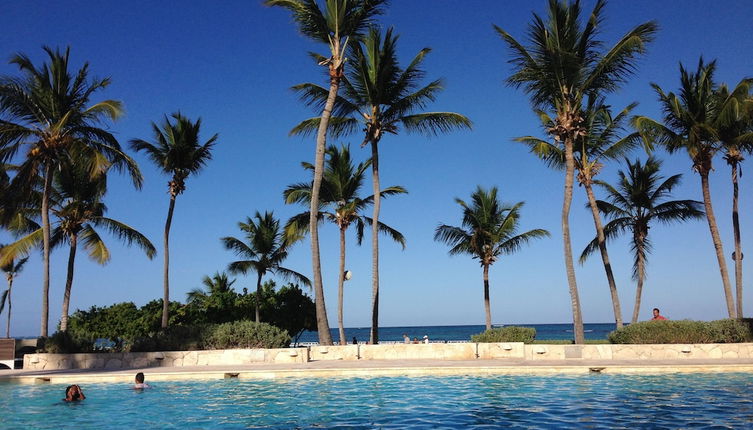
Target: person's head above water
{"points": [[74, 393], [140, 378]]}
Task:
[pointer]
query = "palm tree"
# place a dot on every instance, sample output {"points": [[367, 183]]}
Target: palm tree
{"points": [[45, 114], [217, 284], [489, 230], [80, 211], [380, 97], [265, 251], [11, 270], [334, 26], [591, 150], [688, 125], [562, 66], [734, 126], [639, 199], [177, 151], [341, 184]]}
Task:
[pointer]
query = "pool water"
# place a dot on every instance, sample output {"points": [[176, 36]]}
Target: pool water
{"points": [[582, 401]]}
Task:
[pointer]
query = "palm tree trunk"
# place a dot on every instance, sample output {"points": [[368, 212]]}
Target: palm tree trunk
{"points": [[68, 283], [10, 289], [717, 243], [340, 285], [604, 255], [46, 249], [641, 267], [487, 305], [374, 335], [569, 268], [322, 325], [258, 296], [738, 247], [166, 270]]}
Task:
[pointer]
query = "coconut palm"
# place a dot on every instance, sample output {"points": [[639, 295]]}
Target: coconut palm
{"points": [[335, 25], [11, 270], [340, 205], [266, 249], [80, 212], [734, 126], [560, 68], [638, 200], [46, 115], [591, 150], [381, 97], [688, 124], [219, 283], [177, 151], [489, 230]]}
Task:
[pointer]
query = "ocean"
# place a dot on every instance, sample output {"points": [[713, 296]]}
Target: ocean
{"points": [[593, 331]]}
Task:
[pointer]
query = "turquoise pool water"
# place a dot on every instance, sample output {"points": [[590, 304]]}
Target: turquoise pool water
{"points": [[592, 401]]}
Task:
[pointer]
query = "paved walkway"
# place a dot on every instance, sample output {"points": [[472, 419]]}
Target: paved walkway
{"points": [[366, 368]]}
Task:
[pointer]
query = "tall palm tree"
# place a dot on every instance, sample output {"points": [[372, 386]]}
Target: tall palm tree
{"points": [[381, 97], [639, 199], [46, 115], [11, 270], [265, 251], [80, 212], [177, 151], [560, 68], [335, 26], [734, 126], [591, 150], [342, 206], [489, 230], [688, 125]]}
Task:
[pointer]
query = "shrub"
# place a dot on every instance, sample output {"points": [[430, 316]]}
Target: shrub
{"points": [[63, 342], [247, 334], [506, 334], [685, 331], [173, 338]]}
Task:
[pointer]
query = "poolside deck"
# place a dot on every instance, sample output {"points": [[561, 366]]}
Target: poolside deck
{"points": [[367, 368]]}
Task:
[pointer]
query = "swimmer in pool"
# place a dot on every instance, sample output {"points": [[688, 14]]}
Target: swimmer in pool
{"points": [[73, 393]]}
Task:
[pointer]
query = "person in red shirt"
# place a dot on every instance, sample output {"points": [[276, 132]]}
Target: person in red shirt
{"points": [[657, 316]]}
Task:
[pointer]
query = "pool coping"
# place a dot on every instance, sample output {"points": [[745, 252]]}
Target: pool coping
{"points": [[374, 368]]}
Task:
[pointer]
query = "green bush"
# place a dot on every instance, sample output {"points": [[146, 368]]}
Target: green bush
{"points": [[685, 331], [63, 342], [506, 334], [173, 338], [247, 334]]}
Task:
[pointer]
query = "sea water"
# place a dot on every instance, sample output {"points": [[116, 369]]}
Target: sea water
{"points": [[463, 402], [451, 333]]}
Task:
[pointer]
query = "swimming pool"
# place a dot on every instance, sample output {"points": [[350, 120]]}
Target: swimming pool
{"points": [[583, 401]]}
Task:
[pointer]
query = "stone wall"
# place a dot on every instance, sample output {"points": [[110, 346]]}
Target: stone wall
{"points": [[514, 351]]}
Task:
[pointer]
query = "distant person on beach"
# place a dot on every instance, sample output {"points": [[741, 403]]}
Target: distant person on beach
{"points": [[426, 339], [406, 339], [355, 341], [657, 316], [139, 383], [415, 340], [73, 393]]}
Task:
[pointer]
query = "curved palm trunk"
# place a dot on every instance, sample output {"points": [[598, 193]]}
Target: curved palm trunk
{"points": [[604, 255], [374, 335], [322, 325], [340, 285], [10, 306], [166, 270], [717, 244], [46, 250], [641, 267], [738, 247], [258, 296], [569, 268], [68, 284], [487, 305]]}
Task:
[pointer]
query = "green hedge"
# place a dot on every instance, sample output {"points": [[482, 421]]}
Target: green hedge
{"points": [[685, 331], [247, 334], [62, 342], [173, 338], [506, 334]]}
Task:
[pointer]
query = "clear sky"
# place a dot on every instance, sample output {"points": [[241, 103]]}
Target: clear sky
{"points": [[232, 63]]}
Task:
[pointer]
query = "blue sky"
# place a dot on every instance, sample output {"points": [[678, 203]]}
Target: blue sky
{"points": [[232, 63]]}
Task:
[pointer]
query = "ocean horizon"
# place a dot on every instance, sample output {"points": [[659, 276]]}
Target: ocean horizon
{"points": [[455, 333]]}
